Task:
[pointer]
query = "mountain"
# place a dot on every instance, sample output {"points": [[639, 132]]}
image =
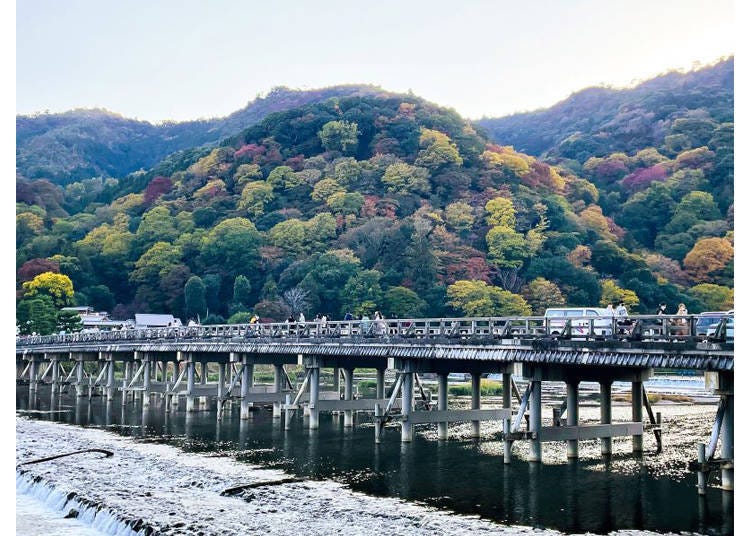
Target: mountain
{"points": [[599, 121], [81, 144], [382, 202]]}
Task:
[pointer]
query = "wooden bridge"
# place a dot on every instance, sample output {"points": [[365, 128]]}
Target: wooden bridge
{"points": [[165, 362]]}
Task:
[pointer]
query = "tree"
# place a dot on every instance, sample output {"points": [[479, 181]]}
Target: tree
{"points": [[68, 321], [438, 150], [297, 300], [339, 136], [195, 297], [708, 257], [59, 287], [501, 212], [405, 179], [541, 294], [646, 213], [325, 189], [231, 247], [241, 291], [255, 196], [284, 178], [362, 293], [240, 317], [403, 302], [613, 294], [346, 203], [506, 248], [459, 216], [477, 298], [33, 267], [290, 236], [714, 297], [36, 314]]}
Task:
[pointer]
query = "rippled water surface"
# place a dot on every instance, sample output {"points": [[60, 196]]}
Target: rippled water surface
{"points": [[463, 475]]}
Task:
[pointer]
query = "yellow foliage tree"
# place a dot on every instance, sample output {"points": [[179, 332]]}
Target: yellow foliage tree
{"points": [[58, 286]]}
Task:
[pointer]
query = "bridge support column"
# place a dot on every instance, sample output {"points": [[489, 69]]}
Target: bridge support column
{"points": [[407, 404], [146, 380], [190, 397], [110, 378], [278, 379], [348, 392], [33, 374], [507, 444], [314, 422], [380, 383], [605, 390], [204, 372], [726, 383], [571, 388], [220, 391], [55, 375], [336, 379], [80, 388], [476, 392], [535, 420], [442, 378], [246, 385], [637, 402]]}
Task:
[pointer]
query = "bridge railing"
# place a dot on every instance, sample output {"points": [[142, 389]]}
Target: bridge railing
{"points": [[671, 328]]}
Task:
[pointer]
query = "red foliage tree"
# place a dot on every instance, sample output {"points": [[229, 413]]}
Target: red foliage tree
{"points": [[640, 179], [33, 267], [156, 188]]}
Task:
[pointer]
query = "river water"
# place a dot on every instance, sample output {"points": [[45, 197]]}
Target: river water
{"points": [[461, 475]]}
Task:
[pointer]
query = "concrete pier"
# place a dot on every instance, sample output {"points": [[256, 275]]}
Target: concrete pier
{"points": [[475, 400], [278, 383], [55, 375], [572, 419], [380, 383], [190, 396], [246, 383], [605, 405], [726, 383], [535, 420], [407, 405], [507, 400], [314, 422], [146, 380], [442, 403], [80, 390], [348, 392], [637, 403]]}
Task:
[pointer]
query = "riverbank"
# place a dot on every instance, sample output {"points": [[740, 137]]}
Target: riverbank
{"points": [[160, 489]]}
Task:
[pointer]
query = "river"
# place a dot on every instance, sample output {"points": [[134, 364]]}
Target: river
{"points": [[463, 476]]}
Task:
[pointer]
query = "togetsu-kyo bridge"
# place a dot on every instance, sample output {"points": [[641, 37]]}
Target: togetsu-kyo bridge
{"points": [[174, 363]]}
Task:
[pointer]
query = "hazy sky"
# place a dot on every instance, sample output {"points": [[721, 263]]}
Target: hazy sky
{"points": [[158, 60]]}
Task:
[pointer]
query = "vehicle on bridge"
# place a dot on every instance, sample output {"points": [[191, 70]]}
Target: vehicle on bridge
{"points": [[583, 321]]}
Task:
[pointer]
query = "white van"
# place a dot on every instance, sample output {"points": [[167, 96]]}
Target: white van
{"points": [[580, 320]]}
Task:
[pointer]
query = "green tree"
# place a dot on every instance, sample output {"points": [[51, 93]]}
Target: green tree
{"points": [[195, 297], [339, 136], [402, 178], [240, 317], [284, 178], [231, 248], [346, 203], [541, 294], [68, 321], [255, 196], [362, 293], [438, 150], [714, 297], [325, 189], [36, 314], [500, 212], [647, 212], [403, 302], [289, 235], [241, 292], [459, 216], [613, 294], [506, 248]]}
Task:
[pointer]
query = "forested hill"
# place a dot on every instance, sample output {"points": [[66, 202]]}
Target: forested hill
{"points": [[81, 144], [371, 203], [598, 121]]}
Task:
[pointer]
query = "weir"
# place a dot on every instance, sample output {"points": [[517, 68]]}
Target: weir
{"points": [[220, 362]]}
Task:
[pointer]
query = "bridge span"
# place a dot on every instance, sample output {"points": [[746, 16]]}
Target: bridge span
{"points": [[174, 363]]}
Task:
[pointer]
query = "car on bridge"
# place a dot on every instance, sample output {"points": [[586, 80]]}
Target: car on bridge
{"points": [[708, 323], [582, 321]]}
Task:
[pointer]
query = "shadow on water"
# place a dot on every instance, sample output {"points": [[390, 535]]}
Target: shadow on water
{"points": [[468, 477]]}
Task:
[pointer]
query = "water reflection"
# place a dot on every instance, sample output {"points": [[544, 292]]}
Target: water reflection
{"points": [[464, 476]]}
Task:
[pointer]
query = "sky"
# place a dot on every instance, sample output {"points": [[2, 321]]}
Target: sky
{"points": [[170, 60]]}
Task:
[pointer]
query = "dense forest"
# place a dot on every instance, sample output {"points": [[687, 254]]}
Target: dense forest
{"points": [[388, 202]]}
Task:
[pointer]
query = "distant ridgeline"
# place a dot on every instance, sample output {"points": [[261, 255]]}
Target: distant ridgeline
{"points": [[387, 202]]}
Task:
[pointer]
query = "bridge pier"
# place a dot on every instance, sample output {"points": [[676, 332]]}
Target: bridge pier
{"points": [[146, 379], [314, 422], [190, 395], [110, 378], [278, 382], [535, 420], [379, 383], [476, 393], [726, 384], [507, 400], [605, 406], [336, 380], [80, 391], [248, 368], [637, 405], [407, 403], [55, 374], [348, 392], [571, 387], [442, 403]]}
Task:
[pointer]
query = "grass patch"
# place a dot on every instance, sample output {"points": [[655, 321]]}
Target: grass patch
{"points": [[486, 388]]}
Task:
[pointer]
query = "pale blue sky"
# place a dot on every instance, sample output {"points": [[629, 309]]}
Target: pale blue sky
{"points": [[158, 60]]}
